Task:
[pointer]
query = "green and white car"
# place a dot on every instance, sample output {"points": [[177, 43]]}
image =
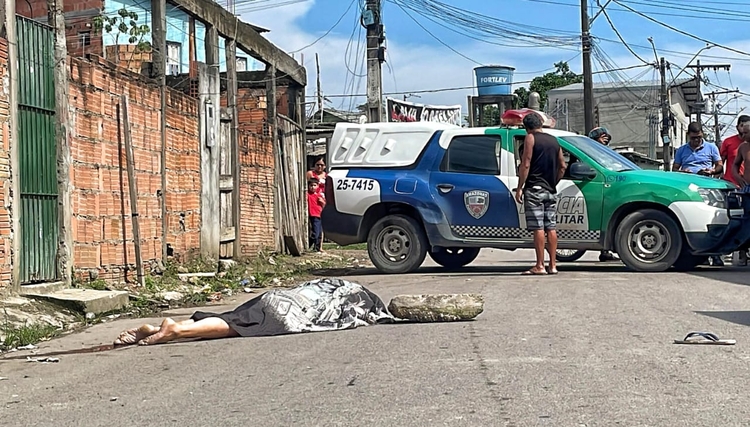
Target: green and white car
{"points": [[412, 189]]}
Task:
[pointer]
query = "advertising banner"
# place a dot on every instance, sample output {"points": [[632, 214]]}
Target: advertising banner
{"points": [[403, 111]]}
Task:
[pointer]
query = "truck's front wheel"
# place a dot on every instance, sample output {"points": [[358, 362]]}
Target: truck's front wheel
{"points": [[648, 240], [453, 258], [396, 244]]}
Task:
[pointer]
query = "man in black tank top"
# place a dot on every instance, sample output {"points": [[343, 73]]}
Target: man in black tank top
{"points": [[542, 167]]}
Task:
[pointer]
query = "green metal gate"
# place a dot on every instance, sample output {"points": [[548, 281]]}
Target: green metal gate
{"points": [[37, 153]]}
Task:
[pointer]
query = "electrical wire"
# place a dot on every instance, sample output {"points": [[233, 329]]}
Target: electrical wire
{"points": [[336, 24]]}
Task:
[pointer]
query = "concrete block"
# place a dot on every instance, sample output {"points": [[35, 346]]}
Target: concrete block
{"points": [[437, 308], [89, 300], [41, 289]]}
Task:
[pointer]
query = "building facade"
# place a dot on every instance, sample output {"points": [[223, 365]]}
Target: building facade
{"points": [[83, 38], [630, 111]]}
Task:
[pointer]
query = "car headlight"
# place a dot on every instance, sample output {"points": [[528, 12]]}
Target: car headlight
{"points": [[713, 197]]}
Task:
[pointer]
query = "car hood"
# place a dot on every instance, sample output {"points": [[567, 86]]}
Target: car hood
{"points": [[673, 179]]}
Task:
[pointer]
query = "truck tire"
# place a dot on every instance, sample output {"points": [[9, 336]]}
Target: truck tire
{"points": [[396, 244], [648, 241], [569, 255], [454, 258]]}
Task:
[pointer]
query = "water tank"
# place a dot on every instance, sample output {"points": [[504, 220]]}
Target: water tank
{"points": [[494, 80]]}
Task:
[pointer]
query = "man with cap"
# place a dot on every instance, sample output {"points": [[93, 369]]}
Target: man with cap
{"points": [[602, 136]]}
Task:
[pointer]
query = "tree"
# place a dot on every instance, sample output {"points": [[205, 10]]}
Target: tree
{"points": [[562, 76], [124, 23]]}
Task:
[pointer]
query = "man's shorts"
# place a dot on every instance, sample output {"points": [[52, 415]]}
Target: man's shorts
{"points": [[540, 207]]}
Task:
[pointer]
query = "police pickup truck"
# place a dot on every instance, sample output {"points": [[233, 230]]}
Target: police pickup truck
{"points": [[412, 189]]}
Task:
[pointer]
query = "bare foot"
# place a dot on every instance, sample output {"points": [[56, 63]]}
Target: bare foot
{"points": [[132, 336], [165, 333]]}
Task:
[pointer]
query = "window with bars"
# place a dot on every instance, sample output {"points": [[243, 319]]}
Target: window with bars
{"points": [[174, 53]]}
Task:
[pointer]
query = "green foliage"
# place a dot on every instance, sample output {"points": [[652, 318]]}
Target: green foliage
{"points": [[14, 337], [124, 24], [562, 76]]}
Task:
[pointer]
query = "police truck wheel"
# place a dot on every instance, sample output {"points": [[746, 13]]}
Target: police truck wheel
{"points": [[569, 255], [396, 244], [453, 258], [649, 241]]}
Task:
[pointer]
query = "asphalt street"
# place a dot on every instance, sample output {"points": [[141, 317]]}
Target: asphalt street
{"points": [[591, 346]]}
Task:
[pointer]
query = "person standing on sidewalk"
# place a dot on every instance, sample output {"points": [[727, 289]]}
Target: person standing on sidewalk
{"points": [[699, 157], [729, 147], [316, 201], [728, 153], [542, 167], [602, 136]]}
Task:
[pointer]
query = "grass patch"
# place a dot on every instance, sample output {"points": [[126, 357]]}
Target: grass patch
{"points": [[27, 334], [354, 247]]}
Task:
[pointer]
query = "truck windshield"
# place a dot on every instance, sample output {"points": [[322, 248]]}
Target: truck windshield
{"points": [[604, 156]]}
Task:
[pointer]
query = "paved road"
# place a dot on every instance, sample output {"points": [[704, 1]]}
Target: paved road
{"points": [[590, 347]]}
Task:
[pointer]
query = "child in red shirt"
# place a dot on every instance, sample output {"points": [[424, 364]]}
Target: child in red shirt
{"points": [[316, 201]]}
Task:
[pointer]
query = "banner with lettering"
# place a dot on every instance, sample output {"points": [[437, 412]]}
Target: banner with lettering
{"points": [[403, 111]]}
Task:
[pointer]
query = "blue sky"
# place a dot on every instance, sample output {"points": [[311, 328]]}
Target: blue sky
{"points": [[417, 61]]}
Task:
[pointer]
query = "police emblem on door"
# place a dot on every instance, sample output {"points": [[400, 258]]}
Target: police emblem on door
{"points": [[477, 202]]}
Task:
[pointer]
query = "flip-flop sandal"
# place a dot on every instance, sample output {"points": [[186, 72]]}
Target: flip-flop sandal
{"points": [[532, 272], [704, 338], [552, 272]]}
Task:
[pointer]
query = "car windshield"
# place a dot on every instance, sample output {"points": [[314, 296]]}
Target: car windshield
{"points": [[601, 154]]}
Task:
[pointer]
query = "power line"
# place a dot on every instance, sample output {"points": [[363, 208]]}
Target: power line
{"points": [[329, 30], [677, 30]]}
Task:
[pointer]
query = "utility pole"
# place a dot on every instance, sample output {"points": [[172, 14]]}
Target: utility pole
{"points": [[716, 114], [371, 20], [666, 143], [588, 82], [159, 67], [698, 71], [319, 95]]}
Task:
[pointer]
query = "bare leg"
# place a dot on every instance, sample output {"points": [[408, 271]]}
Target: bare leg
{"points": [[539, 249], [132, 336], [552, 248], [209, 328]]}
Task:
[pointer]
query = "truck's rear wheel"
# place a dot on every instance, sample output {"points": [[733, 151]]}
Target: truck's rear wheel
{"points": [[453, 258], [649, 241], [397, 244], [569, 255]]}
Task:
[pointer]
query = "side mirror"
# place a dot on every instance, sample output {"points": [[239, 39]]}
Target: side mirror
{"points": [[580, 170]]}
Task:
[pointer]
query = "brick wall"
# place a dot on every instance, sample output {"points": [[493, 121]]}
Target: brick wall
{"points": [[78, 19], [5, 183], [128, 56], [102, 227], [256, 173]]}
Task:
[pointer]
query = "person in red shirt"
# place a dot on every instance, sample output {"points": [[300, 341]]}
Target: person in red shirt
{"points": [[316, 201], [728, 149]]}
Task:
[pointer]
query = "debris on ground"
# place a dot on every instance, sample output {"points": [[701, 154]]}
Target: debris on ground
{"points": [[437, 308], [43, 359]]}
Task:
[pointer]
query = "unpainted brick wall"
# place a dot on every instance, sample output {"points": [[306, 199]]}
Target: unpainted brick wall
{"points": [[256, 173], [102, 227], [6, 235], [128, 56], [78, 18]]}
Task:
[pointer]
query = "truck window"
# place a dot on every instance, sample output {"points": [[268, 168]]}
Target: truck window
{"points": [[477, 154]]}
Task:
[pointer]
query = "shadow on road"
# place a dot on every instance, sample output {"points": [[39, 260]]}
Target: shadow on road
{"points": [[738, 317], [515, 270], [736, 275]]}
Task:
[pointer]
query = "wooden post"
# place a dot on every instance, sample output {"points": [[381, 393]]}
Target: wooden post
{"points": [[273, 132], [65, 242], [132, 187], [231, 56], [192, 70], [159, 62]]}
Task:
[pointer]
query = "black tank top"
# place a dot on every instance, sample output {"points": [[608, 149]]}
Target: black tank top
{"points": [[544, 163]]}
